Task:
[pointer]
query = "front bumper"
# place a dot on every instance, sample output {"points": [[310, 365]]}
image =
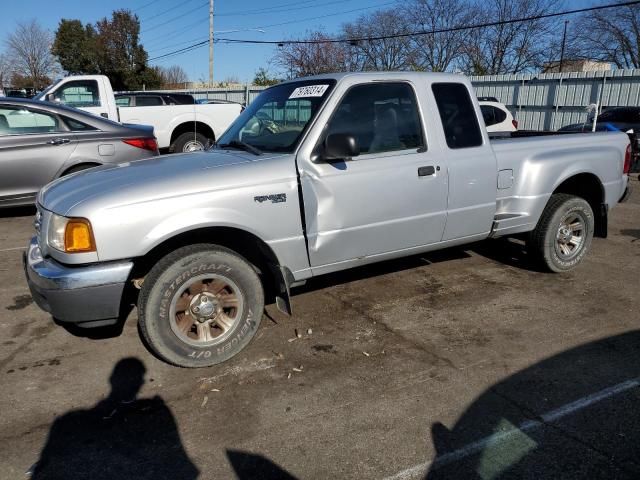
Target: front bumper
{"points": [[88, 295]]}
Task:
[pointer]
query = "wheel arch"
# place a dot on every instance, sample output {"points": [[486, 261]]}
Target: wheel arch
{"points": [[188, 127], [274, 277], [84, 164], [589, 187]]}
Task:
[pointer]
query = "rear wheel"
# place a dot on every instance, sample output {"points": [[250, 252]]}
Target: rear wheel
{"points": [[200, 305], [564, 233], [190, 142]]}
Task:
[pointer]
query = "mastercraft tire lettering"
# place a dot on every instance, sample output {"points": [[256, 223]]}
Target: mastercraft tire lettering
{"points": [[200, 305]]}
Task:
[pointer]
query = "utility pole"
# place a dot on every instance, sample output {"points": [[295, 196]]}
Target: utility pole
{"points": [[564, 40], [211, 43]]}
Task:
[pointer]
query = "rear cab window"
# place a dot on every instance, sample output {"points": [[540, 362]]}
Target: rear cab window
{"points": [[458, 116]]}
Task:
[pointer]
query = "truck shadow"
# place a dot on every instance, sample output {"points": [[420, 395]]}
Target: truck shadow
{"points": [[508, 251], [573, 415], [382, 268], [11, 212], [631, 232]]}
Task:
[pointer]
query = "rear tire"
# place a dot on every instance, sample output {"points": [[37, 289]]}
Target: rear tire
{"points": [[189, 142], [564, 233], [200, 305]]}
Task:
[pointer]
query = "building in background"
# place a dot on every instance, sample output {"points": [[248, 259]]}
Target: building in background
{"points": [[576, 66]]}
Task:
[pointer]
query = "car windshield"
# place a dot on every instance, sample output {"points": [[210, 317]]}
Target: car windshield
{"points": [[276, 120]]}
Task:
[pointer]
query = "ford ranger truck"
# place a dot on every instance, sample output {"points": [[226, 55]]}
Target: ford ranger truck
{"points": [[317, 175]]}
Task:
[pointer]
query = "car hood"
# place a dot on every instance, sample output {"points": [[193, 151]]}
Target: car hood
{"points": [[143, 180]]}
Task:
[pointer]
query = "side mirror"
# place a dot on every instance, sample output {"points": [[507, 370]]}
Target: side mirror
{"points": [[339, 146], [50, 97]]}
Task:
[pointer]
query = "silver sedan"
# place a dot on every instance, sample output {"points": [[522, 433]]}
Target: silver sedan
{"points": [[41, 141]]}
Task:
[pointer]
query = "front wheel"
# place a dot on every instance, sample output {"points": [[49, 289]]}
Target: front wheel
{"points": [[200, 305], [564, 233]]}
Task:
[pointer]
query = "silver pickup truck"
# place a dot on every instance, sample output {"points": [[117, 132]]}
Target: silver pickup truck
{"points": [[316, 175]]}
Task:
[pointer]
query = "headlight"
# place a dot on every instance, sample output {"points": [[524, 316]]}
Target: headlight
{"points": [[71, 235]]}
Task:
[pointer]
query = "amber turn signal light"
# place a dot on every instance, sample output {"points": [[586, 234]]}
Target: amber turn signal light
{"points": [[78, 236]]}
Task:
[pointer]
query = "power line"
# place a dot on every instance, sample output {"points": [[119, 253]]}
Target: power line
{"points": [[165, 11], [199, 44], [399, 35], [282, 8], [431, 32], [145, 5], [164, 37], [174, 19]]}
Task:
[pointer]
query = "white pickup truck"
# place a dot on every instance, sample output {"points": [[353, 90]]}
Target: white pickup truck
{"points": [[180, 128]]}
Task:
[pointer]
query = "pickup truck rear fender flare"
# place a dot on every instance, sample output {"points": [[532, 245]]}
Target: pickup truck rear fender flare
{"points": [[276, 278], [587, 185]]}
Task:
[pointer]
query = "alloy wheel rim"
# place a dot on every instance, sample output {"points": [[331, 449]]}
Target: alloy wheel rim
{"points": [[570, 237], [205, 309], [192, 146]]}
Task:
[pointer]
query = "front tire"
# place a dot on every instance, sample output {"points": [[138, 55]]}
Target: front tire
{"points": [[200, 305], [564, 233]]}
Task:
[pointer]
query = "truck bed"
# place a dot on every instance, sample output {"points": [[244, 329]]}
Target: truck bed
{"points": [[539, 161]]}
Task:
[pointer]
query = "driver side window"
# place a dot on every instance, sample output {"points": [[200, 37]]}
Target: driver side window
{"points": [[79, 94], [383, 117]]}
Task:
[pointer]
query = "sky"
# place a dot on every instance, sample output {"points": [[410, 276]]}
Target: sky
{"points": [[168, 25]]}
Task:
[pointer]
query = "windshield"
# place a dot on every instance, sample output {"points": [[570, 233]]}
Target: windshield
{"points": [[42, 94], [276, 120]]}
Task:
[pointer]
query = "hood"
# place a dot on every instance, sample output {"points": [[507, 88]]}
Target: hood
{"points": [[141, 180]]}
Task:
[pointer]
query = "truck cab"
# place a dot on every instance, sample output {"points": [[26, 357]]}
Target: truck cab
{"points": [[92, 93]]}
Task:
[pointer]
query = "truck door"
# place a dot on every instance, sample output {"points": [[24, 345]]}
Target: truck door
{"points": [[391, 197], [83, 94], [471, 164]]}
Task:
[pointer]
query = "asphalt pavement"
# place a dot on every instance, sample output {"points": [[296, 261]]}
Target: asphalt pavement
{"points": [[465, 363]]}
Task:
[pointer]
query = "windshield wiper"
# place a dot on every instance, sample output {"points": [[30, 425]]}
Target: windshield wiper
{"points": [[241, 146]]}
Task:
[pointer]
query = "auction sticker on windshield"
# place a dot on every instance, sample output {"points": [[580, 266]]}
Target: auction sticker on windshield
{"points": [[309, 91]]}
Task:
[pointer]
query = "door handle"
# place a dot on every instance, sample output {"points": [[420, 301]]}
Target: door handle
{"points": [[58, 141], [426, 171]]}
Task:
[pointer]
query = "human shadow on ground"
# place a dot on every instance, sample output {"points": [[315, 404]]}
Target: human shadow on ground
{"points": [[121, 437], [249, 466], [575, 415]]}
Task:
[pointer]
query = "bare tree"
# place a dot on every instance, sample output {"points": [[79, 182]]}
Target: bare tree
{"points": [[300, 59], [611, 35], [173, 76], [6, 70], [509, 47], [438, 52], [383, 54], [29, 49]]}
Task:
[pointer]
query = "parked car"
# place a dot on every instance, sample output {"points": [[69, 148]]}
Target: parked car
{"points": [[497, 117], [179, 128], [612, 119], [40, 142], [152, 99], [317, 175]]}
